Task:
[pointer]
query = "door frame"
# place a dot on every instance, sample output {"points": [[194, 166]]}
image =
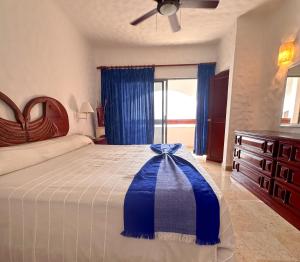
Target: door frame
{"points": [[223, 74], [164, 104]]}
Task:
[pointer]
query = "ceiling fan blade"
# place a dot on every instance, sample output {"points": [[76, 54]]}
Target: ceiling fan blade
{"points": [[199, 4], [174, 23], [144, 17]]}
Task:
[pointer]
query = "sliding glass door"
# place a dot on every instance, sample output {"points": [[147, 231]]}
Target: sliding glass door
{"points": [[175, 111]]}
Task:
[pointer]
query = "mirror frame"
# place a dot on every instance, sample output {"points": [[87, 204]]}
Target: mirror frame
{"points": [[288, 125]]}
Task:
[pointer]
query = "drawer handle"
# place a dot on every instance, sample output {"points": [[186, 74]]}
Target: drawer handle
{"points": [[270, 147], [268, 166], [285, 196], [290, 177], [239, 140], [292, 153], [260, 181], [287, 176]]}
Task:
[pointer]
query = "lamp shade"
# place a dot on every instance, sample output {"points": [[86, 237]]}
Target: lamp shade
{"points": [[86, 108]]}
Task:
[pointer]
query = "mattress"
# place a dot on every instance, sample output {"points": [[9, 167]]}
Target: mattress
{"points": [[70, 208]]}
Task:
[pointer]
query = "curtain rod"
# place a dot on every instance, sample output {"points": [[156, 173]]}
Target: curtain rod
{"points": [[137, 66]]}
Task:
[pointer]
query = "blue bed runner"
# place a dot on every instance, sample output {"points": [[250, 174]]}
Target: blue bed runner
{"points": [[169, 199]]}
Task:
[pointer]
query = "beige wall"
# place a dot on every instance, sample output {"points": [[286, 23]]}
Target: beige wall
{"points": [[159, 55], [257, 82], [42, 53], [155, 55], [226, 49]]}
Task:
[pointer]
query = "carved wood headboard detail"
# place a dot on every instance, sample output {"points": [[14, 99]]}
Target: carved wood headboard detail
{"points": [[54, 122]]}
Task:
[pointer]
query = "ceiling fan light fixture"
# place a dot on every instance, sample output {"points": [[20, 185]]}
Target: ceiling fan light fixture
{"points": [[168, 7]]}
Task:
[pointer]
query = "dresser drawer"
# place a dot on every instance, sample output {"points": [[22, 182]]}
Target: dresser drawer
{"points": [[287, 197], [289, 152], [250, 158], [288, 174], [263, 164], [258, 145], [253, 143], [264, 182], [285, 151], [246, 171], [296, 154]]}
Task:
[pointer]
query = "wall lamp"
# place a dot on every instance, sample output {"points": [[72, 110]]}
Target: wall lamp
{"points": [[286, 53], [85, 109]]}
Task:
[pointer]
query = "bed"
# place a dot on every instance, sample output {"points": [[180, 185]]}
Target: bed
{"points": [[61, 199]]}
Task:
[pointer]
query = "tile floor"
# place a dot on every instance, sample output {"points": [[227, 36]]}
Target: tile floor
{"points": [[261, 234]]}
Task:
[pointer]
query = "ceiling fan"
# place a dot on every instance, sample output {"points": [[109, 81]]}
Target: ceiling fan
{"points": [[170, 7]]}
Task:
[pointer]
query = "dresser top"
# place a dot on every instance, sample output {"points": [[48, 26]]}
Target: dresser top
{"points": [[270, 134]]}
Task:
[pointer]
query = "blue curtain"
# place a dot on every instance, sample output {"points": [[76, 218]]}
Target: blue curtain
{"points": [[205, 73], [128, 96]]}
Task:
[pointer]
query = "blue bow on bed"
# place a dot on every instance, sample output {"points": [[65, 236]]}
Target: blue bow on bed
{"points": [[169, 199]]}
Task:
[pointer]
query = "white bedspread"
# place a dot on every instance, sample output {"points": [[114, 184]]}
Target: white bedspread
{"points": [[70, 208]]}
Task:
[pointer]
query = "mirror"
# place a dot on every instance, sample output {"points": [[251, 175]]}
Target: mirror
{"points": [[291, 106]]}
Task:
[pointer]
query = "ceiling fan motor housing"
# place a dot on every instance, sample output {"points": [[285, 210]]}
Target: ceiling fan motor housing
{"points": [[167, 7]]}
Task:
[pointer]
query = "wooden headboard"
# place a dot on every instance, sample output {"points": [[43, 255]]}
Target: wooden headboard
{"points": [[54, 122]]}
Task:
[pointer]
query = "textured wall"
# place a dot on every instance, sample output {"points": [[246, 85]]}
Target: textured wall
{"points": [[41, 53], [286, 20], [258, 83], [226, 49]]}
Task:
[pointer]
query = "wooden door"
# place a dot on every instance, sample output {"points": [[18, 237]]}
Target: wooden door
{"points": [[217, 116]]}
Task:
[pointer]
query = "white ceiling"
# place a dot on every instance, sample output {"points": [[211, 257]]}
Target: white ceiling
{"points": [[106, 22]]}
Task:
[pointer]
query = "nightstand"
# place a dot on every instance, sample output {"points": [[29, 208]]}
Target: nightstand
{"points": [[100, 140]]}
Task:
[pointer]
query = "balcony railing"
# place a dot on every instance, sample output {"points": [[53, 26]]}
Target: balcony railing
{"points": [[176, 121]]}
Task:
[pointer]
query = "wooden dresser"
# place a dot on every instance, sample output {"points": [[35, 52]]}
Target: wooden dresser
{"points": [[268, 164]]}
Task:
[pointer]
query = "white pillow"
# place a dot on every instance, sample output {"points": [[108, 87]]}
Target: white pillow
{"points": [[17, 157]]}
